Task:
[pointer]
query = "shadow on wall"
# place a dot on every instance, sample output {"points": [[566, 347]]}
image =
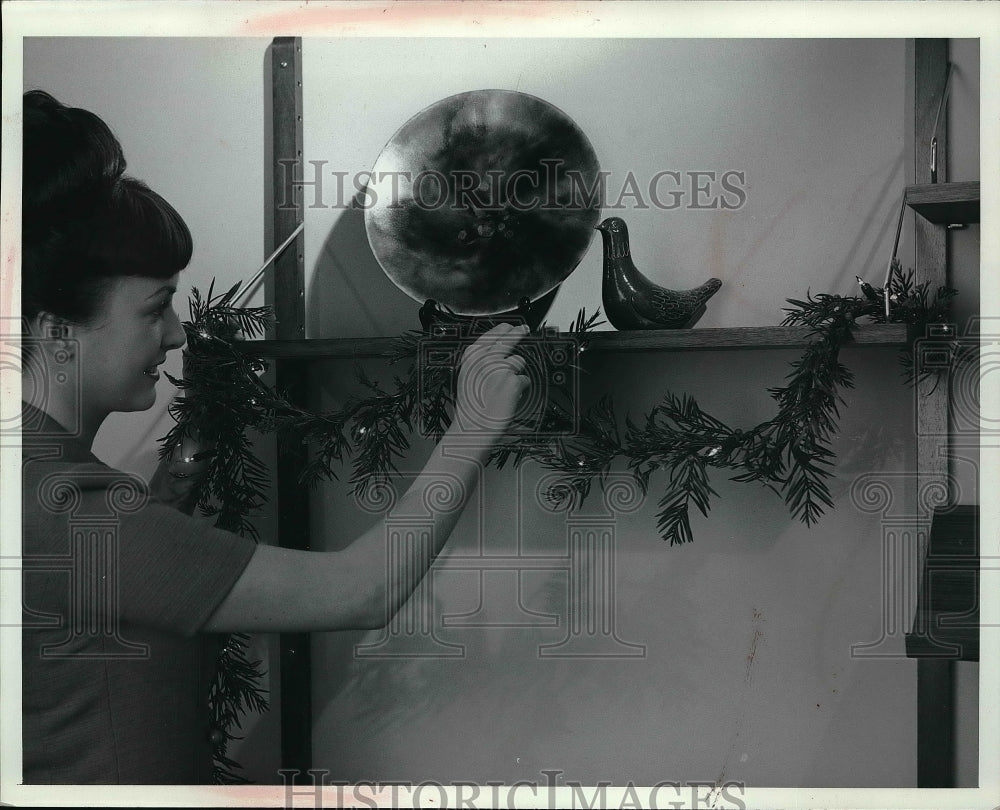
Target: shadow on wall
{"points": [[349, 281]]}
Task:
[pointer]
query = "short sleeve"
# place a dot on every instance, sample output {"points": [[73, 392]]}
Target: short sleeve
{"points": [[175, 569], [98, 542]]}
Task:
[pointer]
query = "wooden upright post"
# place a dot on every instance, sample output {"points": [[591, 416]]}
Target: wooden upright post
{"points": [[931, 243], [289, 267], [291, 377], [935, 676]]}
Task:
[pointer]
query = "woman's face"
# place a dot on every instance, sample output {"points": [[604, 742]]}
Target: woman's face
{"points": [[120, 351]]}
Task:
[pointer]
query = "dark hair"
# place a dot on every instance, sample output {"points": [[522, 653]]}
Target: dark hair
{"points": [[85, 221]]}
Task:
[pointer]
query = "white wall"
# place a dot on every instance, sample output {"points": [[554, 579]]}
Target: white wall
{"points": [[747, 672], [820, 129]]}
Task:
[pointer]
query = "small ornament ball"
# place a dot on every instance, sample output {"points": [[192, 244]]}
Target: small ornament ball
{"points": [[188, 458]]}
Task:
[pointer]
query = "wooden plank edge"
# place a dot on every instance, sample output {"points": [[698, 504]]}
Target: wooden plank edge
{"points": [[945, 203], [757, 337]]}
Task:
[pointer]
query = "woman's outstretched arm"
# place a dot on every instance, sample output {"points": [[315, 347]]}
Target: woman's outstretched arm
{"points": [[356, 588]]}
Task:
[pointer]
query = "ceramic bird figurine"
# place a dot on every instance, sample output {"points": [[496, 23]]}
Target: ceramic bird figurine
{"points": [[632, 301]]}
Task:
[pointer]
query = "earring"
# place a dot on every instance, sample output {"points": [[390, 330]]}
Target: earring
{"points": [[60, 334], [63, 353]]}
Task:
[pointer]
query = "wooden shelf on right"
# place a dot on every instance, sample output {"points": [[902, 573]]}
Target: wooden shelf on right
{"points": [[946, 203]]}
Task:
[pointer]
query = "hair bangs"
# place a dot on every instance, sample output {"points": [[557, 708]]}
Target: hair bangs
{"points": [[142, 234]]}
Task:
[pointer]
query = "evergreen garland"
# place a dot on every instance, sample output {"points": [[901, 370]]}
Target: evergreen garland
{"points": [[221, 403], [789, 453]]}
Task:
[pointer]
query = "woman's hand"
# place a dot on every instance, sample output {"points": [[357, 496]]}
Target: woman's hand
{"points": [[359, 587], [491, 382]]}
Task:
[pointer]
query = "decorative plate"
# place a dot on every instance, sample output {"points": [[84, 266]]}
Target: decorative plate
{"points": [[483, 199]]}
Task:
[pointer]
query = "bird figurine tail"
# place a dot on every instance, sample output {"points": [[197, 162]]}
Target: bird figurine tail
{"points": [[632, 301]]}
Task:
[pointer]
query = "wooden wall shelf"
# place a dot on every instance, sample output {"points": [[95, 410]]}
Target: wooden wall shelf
{"points": [[945, 203], [752, 337]]}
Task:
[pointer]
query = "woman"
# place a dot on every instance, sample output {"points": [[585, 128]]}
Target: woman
{"points": [[123, 593]]}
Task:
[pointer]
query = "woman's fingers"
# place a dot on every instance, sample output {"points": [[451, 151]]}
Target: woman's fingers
{"points": [[492, 380], [517, 363], [502, 339]]}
